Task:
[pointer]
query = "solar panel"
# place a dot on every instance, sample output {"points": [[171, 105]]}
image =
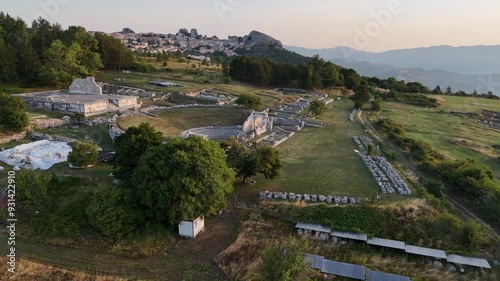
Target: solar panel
{"points": [[394, 244], [482, 263], [380, 276], [315, 261], [349, 235], [427, 252], [343, 269], [312, 226]]}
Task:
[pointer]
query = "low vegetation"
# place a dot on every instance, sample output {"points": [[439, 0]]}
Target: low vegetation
{"points": [[464, 177]]}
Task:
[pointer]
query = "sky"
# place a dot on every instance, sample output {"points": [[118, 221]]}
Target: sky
{"points": [[369, 25]]}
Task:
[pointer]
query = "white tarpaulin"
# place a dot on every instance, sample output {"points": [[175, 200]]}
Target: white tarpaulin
{"points": [[36, 155]]}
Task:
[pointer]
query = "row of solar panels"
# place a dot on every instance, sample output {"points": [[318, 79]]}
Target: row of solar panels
{"points": [[348, 270], [399, 245]]}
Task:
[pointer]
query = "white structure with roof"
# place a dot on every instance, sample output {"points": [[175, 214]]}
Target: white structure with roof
{"points": [[191, 229]]}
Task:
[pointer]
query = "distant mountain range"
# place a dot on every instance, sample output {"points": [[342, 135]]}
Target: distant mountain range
{"points": [[462, 68]]}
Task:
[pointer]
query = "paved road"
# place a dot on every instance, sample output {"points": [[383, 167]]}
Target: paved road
{"points": [[462, 210]]}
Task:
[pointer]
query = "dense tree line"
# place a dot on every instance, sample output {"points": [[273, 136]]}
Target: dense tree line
{"points": [[45, 54], [449, 92]]}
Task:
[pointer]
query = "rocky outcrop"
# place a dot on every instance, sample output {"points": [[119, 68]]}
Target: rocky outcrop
{"points": [[256, 39]]}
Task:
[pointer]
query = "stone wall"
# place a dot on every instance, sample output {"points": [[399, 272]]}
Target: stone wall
{"points": [[39, 136], [95, 108], [258, 123], [14, 137], [50, 123], [86, 86]]}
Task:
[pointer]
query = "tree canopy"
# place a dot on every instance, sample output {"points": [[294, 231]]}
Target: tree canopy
{"points": [[83, 154], [130, 146], [44, 54], [183, 179], [317, 107], [249, 101], [248, 162], [13, 113]]}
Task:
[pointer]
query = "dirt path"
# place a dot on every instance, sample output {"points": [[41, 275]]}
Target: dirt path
{"points": [[462, 210], [183, 260]]}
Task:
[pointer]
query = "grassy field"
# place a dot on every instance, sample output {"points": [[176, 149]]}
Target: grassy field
{"points": [[323, 161], [173, 122], [469, 104], [442, 130], [99, 134]]}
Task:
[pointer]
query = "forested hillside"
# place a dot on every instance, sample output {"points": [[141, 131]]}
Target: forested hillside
{"points": [[45, 54]]}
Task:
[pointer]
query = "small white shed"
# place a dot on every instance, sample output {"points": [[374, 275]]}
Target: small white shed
{"points": [[191, 229]]}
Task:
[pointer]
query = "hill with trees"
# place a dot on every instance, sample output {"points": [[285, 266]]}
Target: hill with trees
{"points": [[45, 54]]}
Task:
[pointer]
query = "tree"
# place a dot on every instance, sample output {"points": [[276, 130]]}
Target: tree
{"points": [[183, 179], [249, 101], [62, 64], [285, 261], [130, 146], [267, 161], [448, 91], [13, 113], [317, 107], [361, 96], [437, 90], [112, 214], [33, 190], [377, 105], [114, 55], [371, 149], [227, 80], [83, 154], [240, 159]]}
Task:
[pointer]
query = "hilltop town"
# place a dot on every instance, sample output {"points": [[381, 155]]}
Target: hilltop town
{"points": [[192, 41]]}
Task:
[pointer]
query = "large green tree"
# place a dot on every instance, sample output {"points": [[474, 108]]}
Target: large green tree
{"points": [[62, 64], [183, 179], [130, 146], [285, 261], [361, 96], [248, 162], [114, 55]]}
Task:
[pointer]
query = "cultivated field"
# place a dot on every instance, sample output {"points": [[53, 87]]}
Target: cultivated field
{"points": [[457, 136], [173, 122]]}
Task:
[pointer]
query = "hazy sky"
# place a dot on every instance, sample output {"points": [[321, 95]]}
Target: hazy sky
{"points": [[304, 23]]}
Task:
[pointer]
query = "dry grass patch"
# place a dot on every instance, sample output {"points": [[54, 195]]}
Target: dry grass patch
{"points": [[483, 149], [29, 270], [240, 261]]}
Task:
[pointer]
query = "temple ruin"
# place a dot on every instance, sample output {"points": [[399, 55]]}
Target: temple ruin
{"points": [[83, 96]]}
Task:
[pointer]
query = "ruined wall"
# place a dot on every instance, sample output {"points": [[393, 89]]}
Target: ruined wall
{"points": [[258, 122], [86, 86], [95, 108], [125, 102], [49, 123], [493, 118], [14, 137]]}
